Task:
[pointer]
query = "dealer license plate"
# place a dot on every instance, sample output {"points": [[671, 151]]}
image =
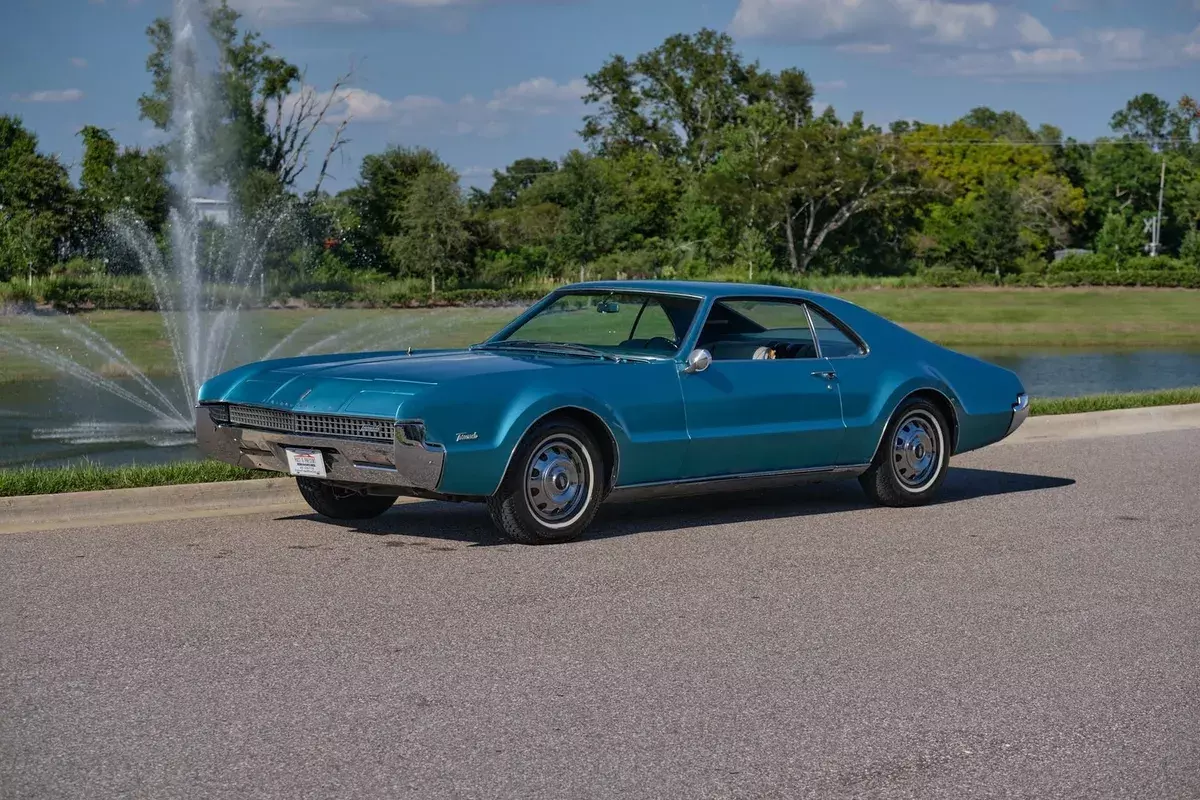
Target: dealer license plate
{"points": [[306, 463]]}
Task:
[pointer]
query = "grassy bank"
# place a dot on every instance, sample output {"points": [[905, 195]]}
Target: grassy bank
{"points": [[1113, 402], [92, 477], [962, 318]]}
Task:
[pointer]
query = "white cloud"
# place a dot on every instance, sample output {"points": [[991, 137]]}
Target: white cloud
{"points": [[1032, 31], [856, 21], [468, 116], [1047, 55], [78, 62], [1090, 52], [293, 12], [50, 96], [1123, 44], [867, 48]]}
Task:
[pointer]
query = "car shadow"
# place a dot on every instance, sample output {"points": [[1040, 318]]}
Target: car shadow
{"points": [[469, 523]]}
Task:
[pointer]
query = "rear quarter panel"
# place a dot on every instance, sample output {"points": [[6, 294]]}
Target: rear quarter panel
{"points": [[900, 363]]}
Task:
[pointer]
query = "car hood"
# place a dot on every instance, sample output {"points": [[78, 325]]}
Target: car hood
{"points": [[370, 384]]}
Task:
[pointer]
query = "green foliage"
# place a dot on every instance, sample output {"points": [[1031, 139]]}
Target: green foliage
{"points": [[38, 205], [1120, 239], [699, 164], [1189, 251], [1112, 402], [90, 477], [16, 295], [434, 240], [996, 228]]}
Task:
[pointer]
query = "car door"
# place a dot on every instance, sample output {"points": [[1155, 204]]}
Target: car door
{"points": [[858, 379], [748, 414]]}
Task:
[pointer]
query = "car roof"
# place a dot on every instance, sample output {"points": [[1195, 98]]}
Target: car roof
{"points": [[703, 289]]}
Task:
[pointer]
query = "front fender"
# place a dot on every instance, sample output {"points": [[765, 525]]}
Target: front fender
{"points": [[481, 437]]}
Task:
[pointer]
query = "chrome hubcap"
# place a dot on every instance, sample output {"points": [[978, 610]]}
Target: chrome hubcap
{"points": [[915, 450], [556, 481]]}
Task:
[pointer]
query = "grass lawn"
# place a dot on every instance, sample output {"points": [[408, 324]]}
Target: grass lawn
{"points": [[90, 477], [963, 318]]}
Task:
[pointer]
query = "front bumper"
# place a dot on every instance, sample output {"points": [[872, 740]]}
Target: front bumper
{"points": [[401, 464], [1020, 413]]}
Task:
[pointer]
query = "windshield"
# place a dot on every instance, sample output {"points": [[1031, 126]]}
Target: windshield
{"points": [[611, 322]]}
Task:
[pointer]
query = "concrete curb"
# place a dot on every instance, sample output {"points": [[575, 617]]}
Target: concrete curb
{"points": [[1124, 422], [280, 496]]}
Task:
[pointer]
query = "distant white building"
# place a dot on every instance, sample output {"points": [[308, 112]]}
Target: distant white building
{"points": [[213, 210]]}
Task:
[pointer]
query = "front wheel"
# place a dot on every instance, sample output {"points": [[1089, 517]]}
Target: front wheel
{"points": [[913, 457], [337, 503], [552, 489]]}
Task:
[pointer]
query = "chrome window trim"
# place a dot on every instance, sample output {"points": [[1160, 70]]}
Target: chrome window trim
{"points": [[549, 300], [803, 303], [843, 327]]}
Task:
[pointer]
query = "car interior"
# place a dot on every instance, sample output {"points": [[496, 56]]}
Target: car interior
{"points": [[730, 336]]}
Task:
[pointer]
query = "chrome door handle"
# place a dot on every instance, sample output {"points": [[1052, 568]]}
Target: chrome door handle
{"points": [[825, 376]]}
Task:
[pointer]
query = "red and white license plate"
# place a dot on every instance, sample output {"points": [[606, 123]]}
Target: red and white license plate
{"points": [[306, 463]]}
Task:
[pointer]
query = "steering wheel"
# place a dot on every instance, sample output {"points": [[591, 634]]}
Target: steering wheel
{"points": [[661, 341]]}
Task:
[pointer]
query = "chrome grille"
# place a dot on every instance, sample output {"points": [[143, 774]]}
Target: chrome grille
{"points": [[269, 419]]}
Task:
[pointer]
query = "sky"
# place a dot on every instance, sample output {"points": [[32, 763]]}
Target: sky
{"points": [[484, 82]]}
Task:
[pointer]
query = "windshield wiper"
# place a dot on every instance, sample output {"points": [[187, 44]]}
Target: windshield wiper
{"points": [[568, 347]]}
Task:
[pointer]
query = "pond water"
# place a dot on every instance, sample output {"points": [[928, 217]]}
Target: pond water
{"points": [[57, 422]]}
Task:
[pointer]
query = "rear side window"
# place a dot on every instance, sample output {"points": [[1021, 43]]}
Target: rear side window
{"points": [[835, 342]]}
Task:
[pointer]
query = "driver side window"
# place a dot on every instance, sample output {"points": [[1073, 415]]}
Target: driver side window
{"points": [[741, 330]]}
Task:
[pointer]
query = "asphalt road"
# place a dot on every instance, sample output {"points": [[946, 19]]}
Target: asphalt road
{"points": [[1035, 635]]}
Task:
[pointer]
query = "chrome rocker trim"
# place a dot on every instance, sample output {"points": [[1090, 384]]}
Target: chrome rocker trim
{"points": [[1020, 413], [406, 464], [737, 483]]}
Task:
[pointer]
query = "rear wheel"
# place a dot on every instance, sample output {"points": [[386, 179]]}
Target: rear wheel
{"points": [[338, 503], [552, 489], [913, 457]]}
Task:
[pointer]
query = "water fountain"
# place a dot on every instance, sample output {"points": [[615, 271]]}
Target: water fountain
{"points": [[200, 320]]}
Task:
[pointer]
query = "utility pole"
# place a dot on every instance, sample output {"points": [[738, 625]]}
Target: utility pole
{"points": [[1156, 238]]}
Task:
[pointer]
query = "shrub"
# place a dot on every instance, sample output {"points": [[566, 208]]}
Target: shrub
{"points": [[1186, 279], [1157, 264], [328, 298], [1189, 251], [67, 293], [79, 267], [1081, 262], [948, 277], [16, 295]]}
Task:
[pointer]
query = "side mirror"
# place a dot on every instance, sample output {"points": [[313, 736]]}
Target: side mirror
{"points": [[698, 361]]}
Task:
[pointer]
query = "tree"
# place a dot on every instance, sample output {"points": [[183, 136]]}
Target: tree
{"points": [[1000, 125], [675, 99], [508, 185], [267, 115], [1121, 238], [130, 179], [1125, 179], [833, 172], [385, 181], [37, 203], [1189, 251], [996, 228], [1146, 117], [434, 241]]}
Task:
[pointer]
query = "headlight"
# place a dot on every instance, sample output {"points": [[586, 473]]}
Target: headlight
{"points": [[219, 414]]}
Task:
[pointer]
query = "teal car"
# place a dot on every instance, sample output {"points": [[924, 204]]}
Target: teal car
{"points": [[618, 389]]}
